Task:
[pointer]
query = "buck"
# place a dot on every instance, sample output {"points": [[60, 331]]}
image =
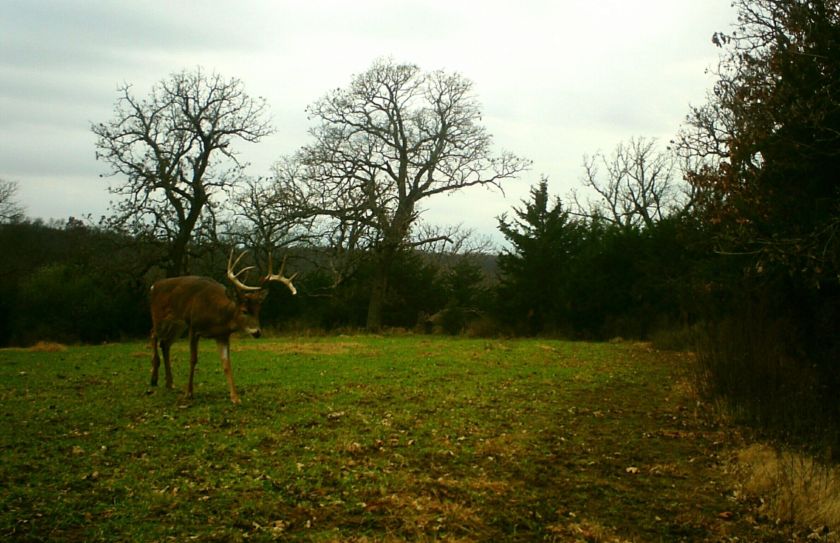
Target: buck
{"points": [[201, 307]]}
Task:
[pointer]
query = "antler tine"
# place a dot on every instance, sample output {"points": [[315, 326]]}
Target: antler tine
{"points": [[279, 275], [243, 270], [236, 262], [234, 277], [283, 267]]}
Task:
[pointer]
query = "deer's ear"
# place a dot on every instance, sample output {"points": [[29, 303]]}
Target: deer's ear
{"points": [[244, 296]]}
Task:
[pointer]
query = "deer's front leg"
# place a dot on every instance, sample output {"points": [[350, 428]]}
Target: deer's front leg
{"points": [[224, 354], [193, 361]]}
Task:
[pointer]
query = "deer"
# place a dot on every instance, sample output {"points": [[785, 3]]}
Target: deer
{"points": [[201, 307]]}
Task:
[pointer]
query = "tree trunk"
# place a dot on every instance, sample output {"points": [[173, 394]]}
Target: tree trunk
{"points": [[378, 291], [178, 254], [178, 251], [177, 264]]}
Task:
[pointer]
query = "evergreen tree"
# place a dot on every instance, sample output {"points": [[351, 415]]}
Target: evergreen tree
{"points": [[544, 240]]}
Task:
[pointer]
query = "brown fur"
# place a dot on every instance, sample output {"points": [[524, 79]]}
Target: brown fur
{"points": [[201, 307]]}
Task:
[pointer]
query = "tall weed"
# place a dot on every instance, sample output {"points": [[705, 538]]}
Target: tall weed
{"points": [[792, 487], [752, 362]]}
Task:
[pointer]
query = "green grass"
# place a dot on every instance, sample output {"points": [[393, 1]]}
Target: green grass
{"points": [[363, 438]]}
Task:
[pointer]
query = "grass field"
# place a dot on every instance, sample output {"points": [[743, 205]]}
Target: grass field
{"points": [[365, 439]]}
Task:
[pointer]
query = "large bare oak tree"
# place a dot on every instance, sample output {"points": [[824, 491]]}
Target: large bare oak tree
{"points": [[394, 138], [174, 150]]}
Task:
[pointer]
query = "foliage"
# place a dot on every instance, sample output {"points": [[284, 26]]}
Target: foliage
{"points": [[70, 283], [771, 353], [772, 126], [414, 289], [76, 283], [466, 298], [593, 278], [768, 189], [65, 303], [544, 241], [364, 438]]}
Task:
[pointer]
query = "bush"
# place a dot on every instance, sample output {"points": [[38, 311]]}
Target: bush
{"points": [[65, 303], [675, 338], [752, 361]]}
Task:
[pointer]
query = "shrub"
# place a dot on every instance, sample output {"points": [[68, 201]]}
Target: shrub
{"points": [[751, 361]]}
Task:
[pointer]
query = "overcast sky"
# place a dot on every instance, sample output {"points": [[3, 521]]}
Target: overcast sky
{"points": [[557, 79]]}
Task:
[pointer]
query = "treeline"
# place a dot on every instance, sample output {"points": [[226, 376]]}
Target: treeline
{"points": [[81, 283], [765, 150], [567, 277]]}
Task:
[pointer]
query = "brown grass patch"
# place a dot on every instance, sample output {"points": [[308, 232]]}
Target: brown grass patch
{"points": [[482, 485], [421, 504], [419, 514], [793, 487], [304, 348], [488, 486], [582, 530], [505, 445], [47, 347]]}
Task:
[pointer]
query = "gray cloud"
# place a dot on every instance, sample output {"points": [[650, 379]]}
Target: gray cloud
{"points": [[90, 35], [556, 79]]}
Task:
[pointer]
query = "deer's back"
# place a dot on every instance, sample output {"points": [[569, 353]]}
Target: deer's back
{"points": [[180, 298]]}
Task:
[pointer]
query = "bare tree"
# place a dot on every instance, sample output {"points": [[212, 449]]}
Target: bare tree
{"points": [[264, 217], [635, 186], [457, 240], [10, 210], [174, 148], [394, 138]]}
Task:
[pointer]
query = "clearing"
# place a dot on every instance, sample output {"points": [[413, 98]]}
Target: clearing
{"points": [[367, 439]]}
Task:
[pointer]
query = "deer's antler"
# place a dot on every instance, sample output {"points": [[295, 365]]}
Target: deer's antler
{"points": [[234, 277], [279, 277]]}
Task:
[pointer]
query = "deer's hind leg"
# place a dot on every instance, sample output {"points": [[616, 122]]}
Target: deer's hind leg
{"points": [[164, 333], [165, 342]]}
